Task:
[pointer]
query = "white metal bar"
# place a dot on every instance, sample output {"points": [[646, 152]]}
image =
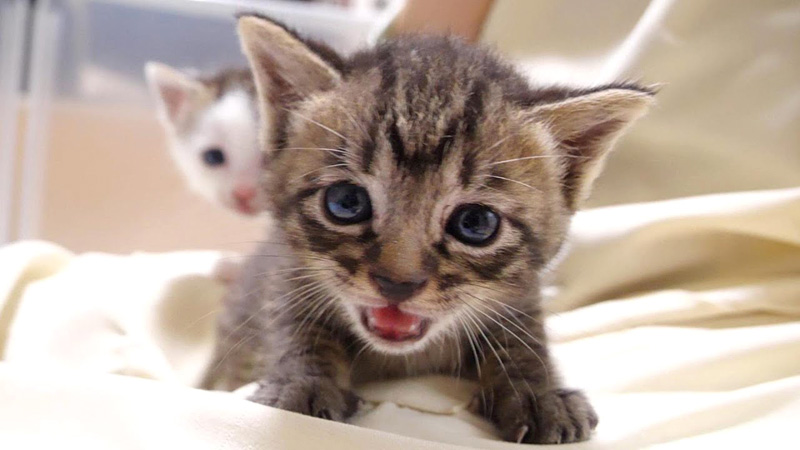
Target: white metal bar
{"points": [[226, 8], [13, 19], [644, 33], [46, 28], [384, 18], [326, 14]]}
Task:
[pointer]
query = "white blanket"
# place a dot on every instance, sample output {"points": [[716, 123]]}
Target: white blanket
{"points": [[681, 319]]}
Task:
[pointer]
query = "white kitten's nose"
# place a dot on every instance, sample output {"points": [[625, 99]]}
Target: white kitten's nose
{"points": [[244, 196]]}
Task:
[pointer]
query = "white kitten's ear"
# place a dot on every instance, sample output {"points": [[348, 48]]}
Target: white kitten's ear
{"points": [[585, 125], [286, 68], [176, 93]]}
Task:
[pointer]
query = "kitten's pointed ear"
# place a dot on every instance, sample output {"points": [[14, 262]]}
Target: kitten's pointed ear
{"points": [[176, 93], [585, 126], [285, 67]]}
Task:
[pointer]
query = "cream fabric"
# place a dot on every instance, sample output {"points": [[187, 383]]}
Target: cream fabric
{"points": [[680, 318], [729, 106]]}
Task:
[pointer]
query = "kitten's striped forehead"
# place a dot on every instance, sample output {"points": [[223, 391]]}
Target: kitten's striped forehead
{"points": [[431, 106], [424, 126]]}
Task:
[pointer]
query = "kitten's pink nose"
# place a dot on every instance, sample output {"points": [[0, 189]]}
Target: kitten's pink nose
{"points": [[244, 196], [244, 193]]}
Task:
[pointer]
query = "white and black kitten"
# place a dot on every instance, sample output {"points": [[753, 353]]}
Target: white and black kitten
{"points": [[212, 127]]}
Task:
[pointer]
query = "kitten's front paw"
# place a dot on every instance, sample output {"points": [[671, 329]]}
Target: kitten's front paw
{"points": [[556, 417], [309, 395]]}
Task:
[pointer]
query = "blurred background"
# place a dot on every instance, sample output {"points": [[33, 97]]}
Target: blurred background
{"points": [[83, 160]]}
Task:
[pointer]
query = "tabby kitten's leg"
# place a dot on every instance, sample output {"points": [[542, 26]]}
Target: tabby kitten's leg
{"points": [[236, 361], [520, 390], [310, 376]]}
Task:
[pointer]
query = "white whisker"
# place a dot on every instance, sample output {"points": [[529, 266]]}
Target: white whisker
{"points": [[267, 304], [474, 347], [321, 149], [522, 341], [525, 158], [499, 142], [513, 181], [505, 349], [332, 166], [496, 355], [324, 127]]}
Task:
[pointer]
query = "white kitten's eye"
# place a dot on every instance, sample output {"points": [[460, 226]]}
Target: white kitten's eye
{"points": [[214, 157]]}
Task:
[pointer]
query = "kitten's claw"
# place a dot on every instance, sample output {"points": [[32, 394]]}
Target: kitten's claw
{"points": [[523, 430], [557, 417], [309, 395]]}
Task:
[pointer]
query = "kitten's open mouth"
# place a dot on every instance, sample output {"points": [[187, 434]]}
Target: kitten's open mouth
{"points": [[391, 324]]}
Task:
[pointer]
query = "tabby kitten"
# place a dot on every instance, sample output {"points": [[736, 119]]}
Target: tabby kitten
{"points": [[420, 189]]}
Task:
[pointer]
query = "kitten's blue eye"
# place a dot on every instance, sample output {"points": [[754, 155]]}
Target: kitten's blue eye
{"points": [[347, 203], [214, 157], [473, 224]]}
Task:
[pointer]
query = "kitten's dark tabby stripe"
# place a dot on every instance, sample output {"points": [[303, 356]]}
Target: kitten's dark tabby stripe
{"points": [[424, 125]]}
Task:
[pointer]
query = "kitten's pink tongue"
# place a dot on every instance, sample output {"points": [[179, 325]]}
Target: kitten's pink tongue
{"points": [[391, 323]]}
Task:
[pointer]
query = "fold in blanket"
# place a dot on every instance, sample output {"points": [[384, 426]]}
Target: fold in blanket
{"points": [[681, 319]]}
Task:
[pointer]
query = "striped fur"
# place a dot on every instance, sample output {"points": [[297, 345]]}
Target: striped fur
{"points": [[424, 125]]}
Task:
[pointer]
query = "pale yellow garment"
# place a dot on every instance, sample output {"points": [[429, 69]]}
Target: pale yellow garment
{"points": [[681, 319], [729, 107]]}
